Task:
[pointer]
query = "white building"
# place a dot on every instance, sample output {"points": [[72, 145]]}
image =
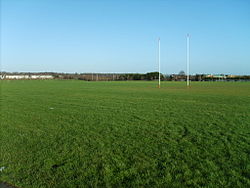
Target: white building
{"points": [[41, 77], [16, 77], [21, 77]]}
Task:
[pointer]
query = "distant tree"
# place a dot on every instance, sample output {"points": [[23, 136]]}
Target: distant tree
{"points": [[182, 73], [199, 77], [56, 76], [137, 76], [153, 76]]}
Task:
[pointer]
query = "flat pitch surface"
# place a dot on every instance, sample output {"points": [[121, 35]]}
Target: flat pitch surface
{"points": [[124, 134]]}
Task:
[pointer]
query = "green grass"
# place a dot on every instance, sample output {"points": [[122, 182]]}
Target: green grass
{"points": [[124, 134]]}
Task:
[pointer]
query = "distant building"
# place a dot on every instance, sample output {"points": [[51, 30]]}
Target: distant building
{"points": [[216, 76], [25, 76], [16, 77], [231, 76], [41, 77]]}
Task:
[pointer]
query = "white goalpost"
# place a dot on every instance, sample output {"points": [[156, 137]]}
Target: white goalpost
{"points": [[159, 62], [188, 60]]}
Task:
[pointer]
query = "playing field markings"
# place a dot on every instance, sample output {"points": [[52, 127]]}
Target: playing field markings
{"points": [[2, 168]]}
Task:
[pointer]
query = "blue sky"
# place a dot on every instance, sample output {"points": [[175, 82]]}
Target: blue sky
{"points": [[121, 35]]}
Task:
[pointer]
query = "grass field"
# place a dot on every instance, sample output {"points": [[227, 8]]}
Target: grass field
{"points": [[124, 134]]}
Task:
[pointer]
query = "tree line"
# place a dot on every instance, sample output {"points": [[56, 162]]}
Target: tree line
{"points": [[181, 76], [152, 76]]}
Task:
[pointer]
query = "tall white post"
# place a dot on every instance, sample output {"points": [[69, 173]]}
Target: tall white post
{"points": [[159, 62], [187, 59]]}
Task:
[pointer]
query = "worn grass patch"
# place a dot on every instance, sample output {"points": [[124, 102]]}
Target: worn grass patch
{"points": [[124, 134]]}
